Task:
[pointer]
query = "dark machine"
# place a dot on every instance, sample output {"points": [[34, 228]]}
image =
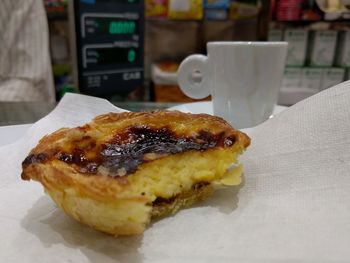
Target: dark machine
{"points": [[107, 45]]}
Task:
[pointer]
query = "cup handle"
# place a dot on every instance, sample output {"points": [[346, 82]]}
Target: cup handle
{"points": [[193, 89]]}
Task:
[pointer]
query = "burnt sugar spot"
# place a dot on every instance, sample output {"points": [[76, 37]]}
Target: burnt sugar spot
{"points": [[78, 158], [128, 150], [34, 158], [122, 155]]}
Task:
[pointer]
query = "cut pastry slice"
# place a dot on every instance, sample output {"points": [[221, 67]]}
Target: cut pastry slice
{"points": [[122, 169]]}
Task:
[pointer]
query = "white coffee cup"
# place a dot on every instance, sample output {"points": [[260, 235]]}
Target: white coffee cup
{"points": [[243, 79]]}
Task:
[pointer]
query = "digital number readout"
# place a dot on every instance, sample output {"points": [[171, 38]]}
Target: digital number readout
{"points": [[112, 55], [110, 26], [121, 27]]}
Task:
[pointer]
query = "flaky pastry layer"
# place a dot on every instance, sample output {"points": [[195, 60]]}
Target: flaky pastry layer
{"points": [[120, 170]]}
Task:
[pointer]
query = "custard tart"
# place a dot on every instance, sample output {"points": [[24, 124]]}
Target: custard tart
{"points": [[119, 171]]}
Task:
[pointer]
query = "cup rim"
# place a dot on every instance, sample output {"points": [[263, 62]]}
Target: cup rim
{"points": [[247, 43]]}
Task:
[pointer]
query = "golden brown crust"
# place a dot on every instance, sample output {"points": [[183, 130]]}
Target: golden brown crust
{"points": [[68, 162], [189, 122], [103, 128], [185, 199]]}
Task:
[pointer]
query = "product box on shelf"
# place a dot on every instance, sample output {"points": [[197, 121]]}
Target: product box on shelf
{"points": [[298, 84], [215, 14], [156, 8], [311, 78], [291, 77], [332, 77], [297, 45], [288, 10], [275, 35], [343, 49], [224, 4], [322, 48], [242, 9], [185, 9]]}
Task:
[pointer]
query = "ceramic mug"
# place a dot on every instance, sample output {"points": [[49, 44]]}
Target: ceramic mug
{"points": [[243, 79]]}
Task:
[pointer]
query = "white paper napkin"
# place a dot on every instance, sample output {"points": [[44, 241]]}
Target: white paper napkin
{"points": [[294, 205]]}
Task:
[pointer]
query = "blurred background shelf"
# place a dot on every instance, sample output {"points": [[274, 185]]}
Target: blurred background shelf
{"points": [[171, 36], [319, 45]]}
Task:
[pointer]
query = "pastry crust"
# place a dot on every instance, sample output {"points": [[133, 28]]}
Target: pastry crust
{"points": [[119, 170]]}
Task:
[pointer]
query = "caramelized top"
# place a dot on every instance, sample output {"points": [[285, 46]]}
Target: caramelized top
{"points": [[115, 144], [135, 145]]}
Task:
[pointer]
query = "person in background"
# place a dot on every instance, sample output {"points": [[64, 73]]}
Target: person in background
{"points": [[25, 66]]}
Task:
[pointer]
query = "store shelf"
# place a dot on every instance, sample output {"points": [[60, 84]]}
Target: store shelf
{"points": [[306, 22]]}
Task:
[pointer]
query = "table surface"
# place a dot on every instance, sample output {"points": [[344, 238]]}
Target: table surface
{"points": [[12, 113]]}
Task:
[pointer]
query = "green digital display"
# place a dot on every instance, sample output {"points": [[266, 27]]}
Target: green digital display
{"points": [[108, 45], [122, 27], [113, 55], [131, 55], [107, 26]]}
